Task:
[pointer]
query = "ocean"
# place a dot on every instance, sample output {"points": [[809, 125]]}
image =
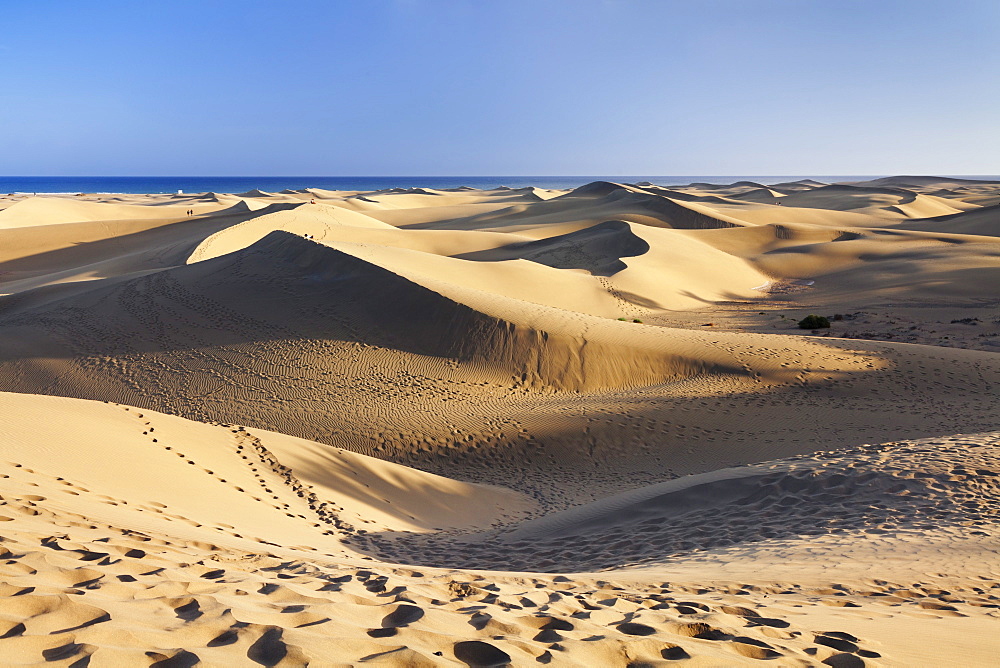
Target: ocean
{"points": [[238, 184]]}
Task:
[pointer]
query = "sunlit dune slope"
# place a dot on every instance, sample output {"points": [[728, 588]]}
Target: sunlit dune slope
{"points": [[218, 475], [51, 211]]}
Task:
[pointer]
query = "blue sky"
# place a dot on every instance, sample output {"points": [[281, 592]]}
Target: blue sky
{"points": [[464, 87]]}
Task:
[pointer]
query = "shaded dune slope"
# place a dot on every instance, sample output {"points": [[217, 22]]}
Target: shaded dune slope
{"points": [[903, 489], [919, 181], [891, 200], [868, 264], [596, 203], [598, 249], [984, 222]]}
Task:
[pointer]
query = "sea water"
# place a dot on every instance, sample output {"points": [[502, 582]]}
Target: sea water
{"points": [[238, 184]]}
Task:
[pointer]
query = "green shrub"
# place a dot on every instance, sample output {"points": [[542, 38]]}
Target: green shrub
{"points": [[814, 322], [638, 321]]}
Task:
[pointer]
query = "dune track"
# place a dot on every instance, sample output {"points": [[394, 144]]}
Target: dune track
{"points": [[425, 427]]}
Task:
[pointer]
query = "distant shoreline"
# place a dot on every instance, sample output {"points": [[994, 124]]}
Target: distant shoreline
{"points": [[237, 184]]}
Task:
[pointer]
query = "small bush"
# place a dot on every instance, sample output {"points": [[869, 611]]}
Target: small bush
{"points": [[814, 322], [637, 320], [622, 319]]}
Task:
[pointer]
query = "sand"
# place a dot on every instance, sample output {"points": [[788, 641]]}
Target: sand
{"points": [[424, 427]]}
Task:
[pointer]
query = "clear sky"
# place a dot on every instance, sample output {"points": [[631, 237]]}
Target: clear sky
{"points": [[466, 87]]}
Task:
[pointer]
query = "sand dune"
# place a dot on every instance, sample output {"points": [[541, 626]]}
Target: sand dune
{"points": [[793, 186], [50, 211], [241, 549], [984, 221], [302, 219], [874, 201], [426, 427], [766, 195], [869, 265], [64, 256], [588, 205], [927, 182]]}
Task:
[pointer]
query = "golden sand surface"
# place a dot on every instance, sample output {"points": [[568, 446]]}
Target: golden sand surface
{"points": [[510, 427]]}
